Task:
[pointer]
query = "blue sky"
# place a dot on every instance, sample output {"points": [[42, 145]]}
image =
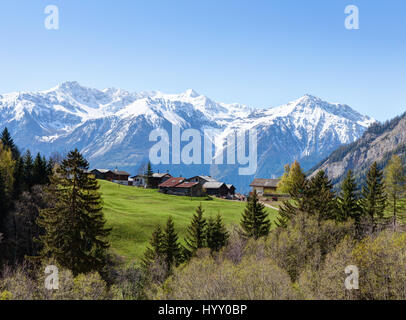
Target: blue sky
{"points": [[259, 52]]}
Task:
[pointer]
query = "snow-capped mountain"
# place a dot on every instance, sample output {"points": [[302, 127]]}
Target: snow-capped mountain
{"points": [[111, 127]]}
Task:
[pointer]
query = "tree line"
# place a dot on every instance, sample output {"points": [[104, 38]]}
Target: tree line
{"points": [[381, 199]]}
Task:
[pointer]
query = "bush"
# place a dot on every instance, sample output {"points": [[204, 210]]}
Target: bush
{"points": [[208, 278], [305, 243]]}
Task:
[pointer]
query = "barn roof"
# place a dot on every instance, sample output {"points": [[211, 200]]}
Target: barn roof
{"points": [[207, 178], [160, 175], [171, 182], [102, 170], [120, 173], [187, 185], [229, 186], [213, 185], [270, 183]]}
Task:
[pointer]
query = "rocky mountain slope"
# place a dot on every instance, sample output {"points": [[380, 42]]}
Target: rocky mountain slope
{"points": [[378, 143], [111, 127]]}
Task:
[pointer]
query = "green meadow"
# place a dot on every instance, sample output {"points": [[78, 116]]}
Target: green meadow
{"points": [[132, 213]]}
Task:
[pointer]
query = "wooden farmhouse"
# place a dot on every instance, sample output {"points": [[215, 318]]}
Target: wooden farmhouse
{"points": [[265, 186]]}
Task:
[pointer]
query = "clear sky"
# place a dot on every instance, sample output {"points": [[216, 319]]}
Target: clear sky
{"points": [[258, 52]]}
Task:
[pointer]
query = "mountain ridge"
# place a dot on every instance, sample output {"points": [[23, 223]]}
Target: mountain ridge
{"points": [[111, 126], [378, 143]]}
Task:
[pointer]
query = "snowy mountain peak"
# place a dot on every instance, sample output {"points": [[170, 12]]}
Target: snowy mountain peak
{"points": [[111, 126], [191, 93]]}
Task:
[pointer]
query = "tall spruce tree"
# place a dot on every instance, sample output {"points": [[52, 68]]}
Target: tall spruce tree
{"points": [[75, 234], [196, 233], [148, 175], [9, 143], [347, 201], [19, 183], [216, 234], [395, 182], [155, 249], [319, 197], [171, 249], [39, 170], [28, 169], [374, 197], [3, 202], [254, 221]]}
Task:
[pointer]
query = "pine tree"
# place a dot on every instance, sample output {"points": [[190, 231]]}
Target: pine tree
{"points": [[347, 202], [155, 249], [319, 197], [3, 202], [39, 171], [28, 169], [18, 186], [216, 234], [75, 234], [170, 246], [9, 143], [395, 182], [195, 238], [148, 175], [255, 222], [373, 201]]}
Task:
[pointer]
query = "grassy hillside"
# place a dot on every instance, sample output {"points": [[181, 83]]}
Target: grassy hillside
{"points": [[133, 213]]}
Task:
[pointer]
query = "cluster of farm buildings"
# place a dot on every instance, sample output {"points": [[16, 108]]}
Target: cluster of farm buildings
{"points": [[196, 186]]}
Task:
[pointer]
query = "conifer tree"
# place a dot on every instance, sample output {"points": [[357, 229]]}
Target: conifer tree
{"points": [[148, 175], [319, 197], [216, 234], [9, 143], [155, 249], [3, 202], [347, 202], [28, 169], [7, 167], [255, 222], [395, 182], [19, 183], [170, 246], [196, 232], [39, 170], [74, 226], [373, 201]]}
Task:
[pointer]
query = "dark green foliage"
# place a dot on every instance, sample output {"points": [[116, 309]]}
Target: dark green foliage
{"points": [[374, 198], [319, 198], [348, 200], [216, 234], [28, 163], [22, 227], [40, 171], [8, 142], [74, 225], [287, 210], [155, 249], [3, 202], [255, 222], [19, 178], [314, 196], [195, 238], [148, 175], [170, 245]]}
